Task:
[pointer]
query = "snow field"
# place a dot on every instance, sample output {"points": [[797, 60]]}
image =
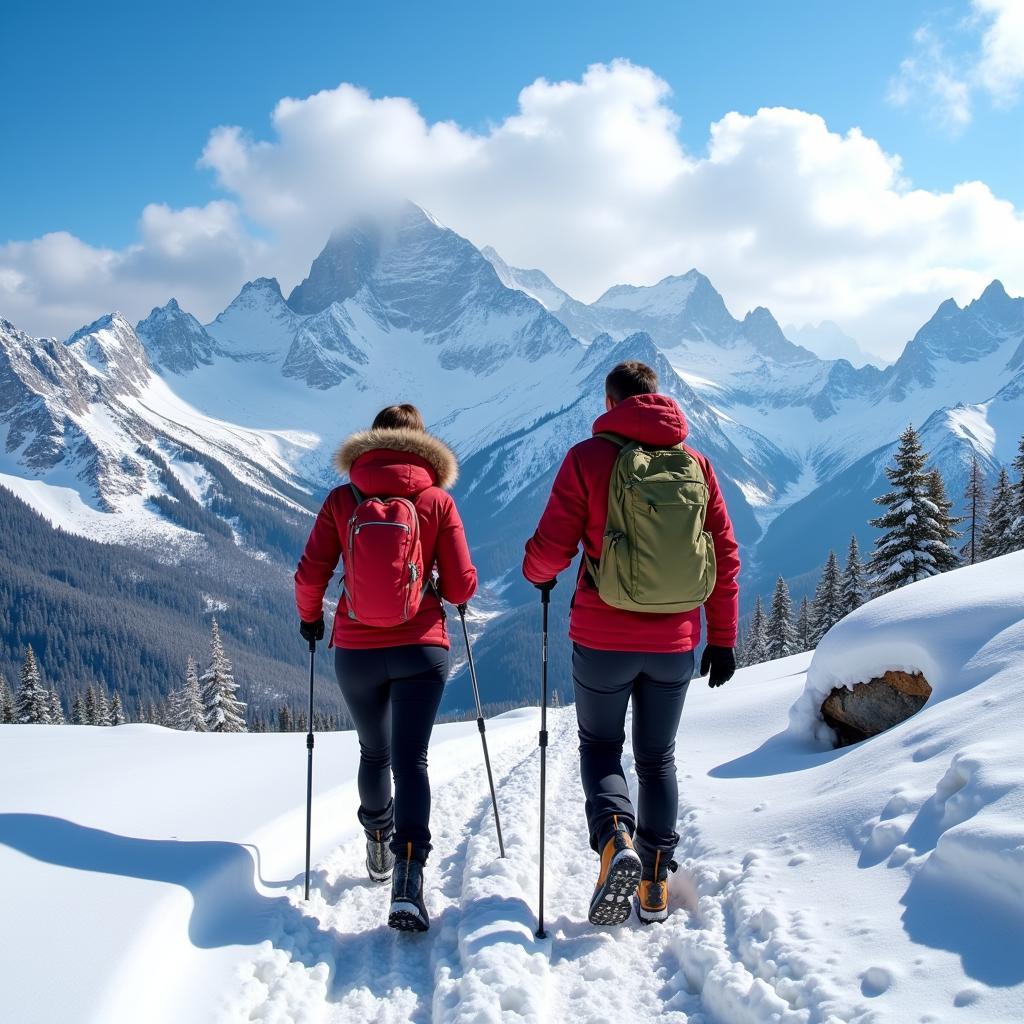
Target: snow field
{"points": [[878, 884]]}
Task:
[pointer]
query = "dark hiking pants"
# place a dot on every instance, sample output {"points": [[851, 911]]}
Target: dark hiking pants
{"points": [[392, 695], [604, 683]]}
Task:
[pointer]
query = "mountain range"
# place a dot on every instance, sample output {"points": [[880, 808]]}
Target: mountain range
{"points": [[209, 444]]}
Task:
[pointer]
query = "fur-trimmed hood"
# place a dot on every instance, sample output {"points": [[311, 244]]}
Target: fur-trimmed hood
{"points": [[424, 452]]}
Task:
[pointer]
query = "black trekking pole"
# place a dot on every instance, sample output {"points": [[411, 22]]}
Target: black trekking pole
{"points": [[545, 598], [309, 764], [481, 727]]}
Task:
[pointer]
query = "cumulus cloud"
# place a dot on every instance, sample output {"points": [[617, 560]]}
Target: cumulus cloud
{"points": [[588, 181], [947, 82], [56, 283]]}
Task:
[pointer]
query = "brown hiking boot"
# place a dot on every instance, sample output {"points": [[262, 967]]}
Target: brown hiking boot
{"points": [[652, 896], [620, 875]]}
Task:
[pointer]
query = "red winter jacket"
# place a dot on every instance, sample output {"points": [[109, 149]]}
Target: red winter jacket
{"points": [[395, 464], [578, 510]]}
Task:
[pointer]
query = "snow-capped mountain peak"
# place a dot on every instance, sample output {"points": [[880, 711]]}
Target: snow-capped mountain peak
{"points": [[174, 339], [258, 323], [112, 351]]}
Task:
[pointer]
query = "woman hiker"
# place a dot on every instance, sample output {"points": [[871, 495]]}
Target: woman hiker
{"points": [[390, 528]]}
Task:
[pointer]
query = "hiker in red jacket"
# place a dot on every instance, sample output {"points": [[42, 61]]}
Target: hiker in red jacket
{"points": [[391, 676], [622, 654]]}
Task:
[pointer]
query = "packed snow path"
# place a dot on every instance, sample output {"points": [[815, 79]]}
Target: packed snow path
{"points": [[481, 961]]}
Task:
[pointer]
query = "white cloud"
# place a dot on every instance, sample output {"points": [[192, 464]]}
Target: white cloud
{"points": [[947, 83], [588, 181], [56, 283], [930, 73], [1001, 68]]}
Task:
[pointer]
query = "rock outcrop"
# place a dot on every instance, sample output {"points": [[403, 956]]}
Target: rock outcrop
{"points": [[872, 707]]}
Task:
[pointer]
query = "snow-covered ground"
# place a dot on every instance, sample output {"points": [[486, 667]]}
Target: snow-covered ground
{"points": [[150, 875]]}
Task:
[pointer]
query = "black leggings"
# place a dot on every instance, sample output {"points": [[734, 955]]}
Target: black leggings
{"points": [[392, 695], [604, 682]]}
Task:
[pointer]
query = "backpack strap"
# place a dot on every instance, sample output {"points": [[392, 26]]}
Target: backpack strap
{"points": [[618, 440], [356, 493], [589, 566]]}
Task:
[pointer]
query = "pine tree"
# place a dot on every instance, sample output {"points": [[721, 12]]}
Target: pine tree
{"points": [[913, 544], [757, 636], [91, 707], [78, 710], [224, 711], [6, 702], [781, 634], [828, 600], [946, 523], [976, 497], [33, 702], [56, 709], [284, 719], [102, 706], [855, 584], [116, 710], [997, 535], [191, 710], [1017, 529], [803, 626]]}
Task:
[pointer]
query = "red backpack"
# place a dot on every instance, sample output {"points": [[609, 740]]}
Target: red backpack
{"points": [[384, 573]]}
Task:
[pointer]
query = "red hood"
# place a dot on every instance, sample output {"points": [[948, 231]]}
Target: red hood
{"points": [[649, 419], [392, 474]]}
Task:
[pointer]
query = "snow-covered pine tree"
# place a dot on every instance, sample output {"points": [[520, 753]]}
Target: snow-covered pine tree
{"points": [[757, 636], [116, 710], [191, 710], [855, 583], [975, 504], [78, 710], [740, 651], [56, 709], [224, 711], [912, 546], [803, 625], [997, 534], [91, 706], [32, 706], [172, 708], [828, 606], [1017, 530], [6, 702], [102, 706], [946, 523], [781, 633]]}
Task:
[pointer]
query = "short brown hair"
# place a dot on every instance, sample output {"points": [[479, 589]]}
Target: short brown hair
{"points": [[399, 417], [629, 379]]}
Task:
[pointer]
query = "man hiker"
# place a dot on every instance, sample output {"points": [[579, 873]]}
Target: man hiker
{"points": [[658, 544]]}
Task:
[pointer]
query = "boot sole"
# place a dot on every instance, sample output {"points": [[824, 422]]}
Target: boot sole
{"points": [[612, 903], [405, 917]]}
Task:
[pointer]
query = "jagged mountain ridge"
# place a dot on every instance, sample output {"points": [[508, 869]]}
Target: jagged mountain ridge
{"points": [[140, 431]]}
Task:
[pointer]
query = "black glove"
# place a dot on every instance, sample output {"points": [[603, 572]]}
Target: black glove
{"points": [[721, 661], [547, 586], [312, 631]]}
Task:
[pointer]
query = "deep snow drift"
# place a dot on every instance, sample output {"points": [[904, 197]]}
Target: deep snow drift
{"points": [[150, 875]]}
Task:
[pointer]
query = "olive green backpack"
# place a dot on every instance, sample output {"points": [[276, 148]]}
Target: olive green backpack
{"points": [[656, 555]]}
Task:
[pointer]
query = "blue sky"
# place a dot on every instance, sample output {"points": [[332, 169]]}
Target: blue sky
{"points": [[114, 100], [657, 159]]}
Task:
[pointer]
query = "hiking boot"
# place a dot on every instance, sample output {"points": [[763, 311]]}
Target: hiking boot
{"points": [[652, 896], [380, 861], [408, 911], [620, 875]]}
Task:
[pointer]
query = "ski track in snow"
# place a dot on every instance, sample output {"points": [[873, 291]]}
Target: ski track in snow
{"points": [[721, 957]]}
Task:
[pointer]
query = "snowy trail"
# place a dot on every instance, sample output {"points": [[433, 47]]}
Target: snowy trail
{"points": [[718, 958]]}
